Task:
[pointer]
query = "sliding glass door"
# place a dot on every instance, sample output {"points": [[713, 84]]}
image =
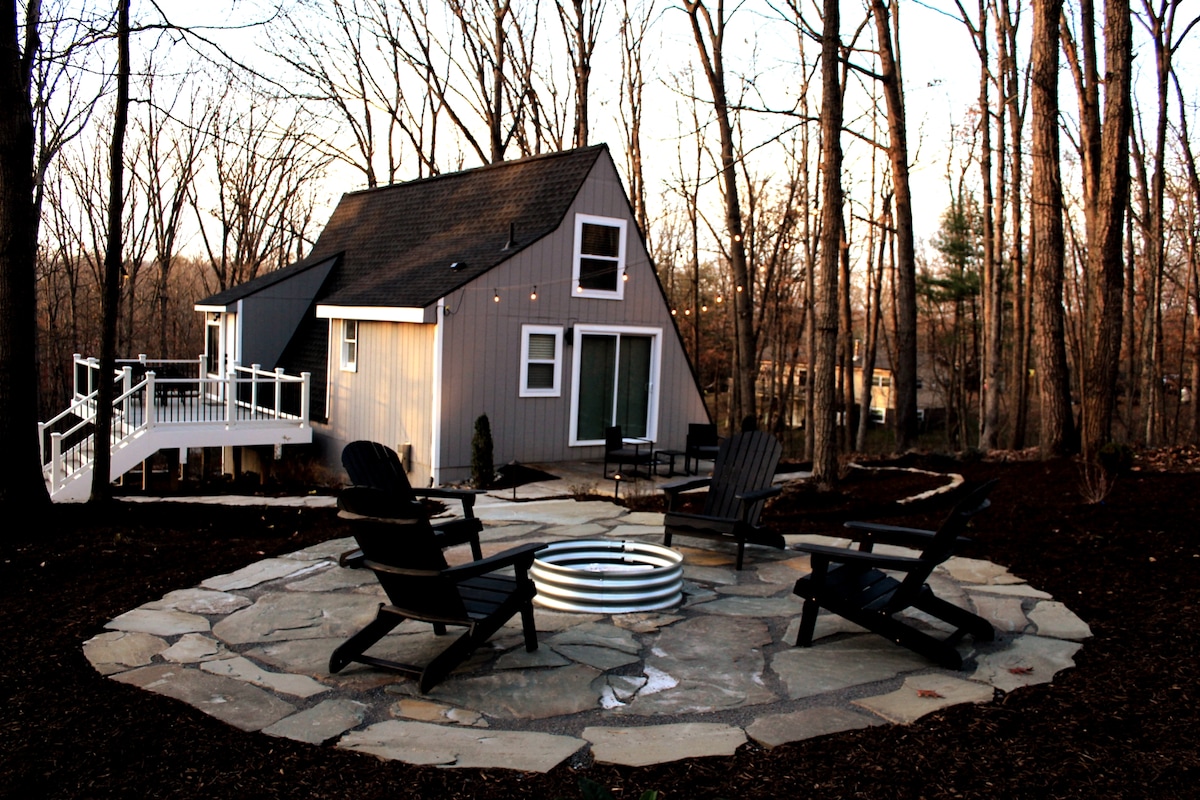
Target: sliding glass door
{"points": [[616, 375]]}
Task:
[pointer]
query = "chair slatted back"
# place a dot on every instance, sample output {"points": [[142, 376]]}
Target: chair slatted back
{"points": [[701, 434], [376, 465], [613, 440], [745, 462], [943, 544], [421, 589]]}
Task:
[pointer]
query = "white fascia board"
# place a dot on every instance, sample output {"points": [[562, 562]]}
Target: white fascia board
{"points": [[210, 309], [375, 313]]}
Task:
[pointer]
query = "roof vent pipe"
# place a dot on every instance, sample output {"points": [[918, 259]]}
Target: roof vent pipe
{"points": [[512, 237]]}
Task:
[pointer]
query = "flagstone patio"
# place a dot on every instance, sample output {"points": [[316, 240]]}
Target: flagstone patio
{"points": [[251, 648]]}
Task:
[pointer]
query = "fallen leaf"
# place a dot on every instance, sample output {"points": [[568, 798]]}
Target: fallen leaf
{"points": [[1021, 670], [928, 693]]}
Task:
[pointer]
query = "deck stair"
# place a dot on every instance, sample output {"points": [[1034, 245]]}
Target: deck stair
{"points": [[162, 405]]}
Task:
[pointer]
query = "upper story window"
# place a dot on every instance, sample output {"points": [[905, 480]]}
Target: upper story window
{"points": [[541, 361], [350, 345], [599, 269]]}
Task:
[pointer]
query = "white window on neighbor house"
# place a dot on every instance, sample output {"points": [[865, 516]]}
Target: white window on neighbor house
{"points": [[541, 360], [599, 264], [881, 380], [350, 345]]}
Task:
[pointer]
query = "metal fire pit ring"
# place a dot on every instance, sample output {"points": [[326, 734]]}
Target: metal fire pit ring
{"points": [[607, 577]]}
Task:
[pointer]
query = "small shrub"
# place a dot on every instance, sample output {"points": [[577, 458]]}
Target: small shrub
{"points": [[482, 467]]}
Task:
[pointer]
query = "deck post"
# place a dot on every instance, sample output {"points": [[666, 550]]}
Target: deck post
{"points": [[254, 370], [305, 400], [230, 387], [278, 392], [148, 403], [56, 469]]}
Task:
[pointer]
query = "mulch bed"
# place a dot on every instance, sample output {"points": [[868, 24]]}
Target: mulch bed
{"points": [[1124, 723]]}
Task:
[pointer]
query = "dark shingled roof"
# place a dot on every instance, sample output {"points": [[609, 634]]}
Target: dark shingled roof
{"points": [[235, 293], [398, 242]]}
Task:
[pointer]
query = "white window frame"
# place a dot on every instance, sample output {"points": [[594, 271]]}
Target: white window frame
{"points": [[349, 348], [656, 334], [528, 331], [619, 263]]}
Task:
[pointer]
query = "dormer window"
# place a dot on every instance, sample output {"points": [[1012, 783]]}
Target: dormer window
{"points": [[599, 269]]}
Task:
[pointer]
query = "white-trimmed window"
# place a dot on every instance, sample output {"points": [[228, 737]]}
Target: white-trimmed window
{"points": [[350, 345], [541, 360], [599, 264]]}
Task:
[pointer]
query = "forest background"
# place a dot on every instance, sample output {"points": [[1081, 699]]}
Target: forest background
{"points": [[995, 202]]}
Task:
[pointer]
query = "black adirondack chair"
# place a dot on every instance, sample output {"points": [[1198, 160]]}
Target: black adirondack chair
{"points": [[373, 465], [859, 589], [617, 451], [701, 444], [420, 585], [738, 490]]}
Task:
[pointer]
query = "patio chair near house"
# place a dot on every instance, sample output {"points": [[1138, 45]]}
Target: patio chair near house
{"points": [[378, 467], [625, 453], [701, 444], [421, 585], [738, 490], [852, 583]]}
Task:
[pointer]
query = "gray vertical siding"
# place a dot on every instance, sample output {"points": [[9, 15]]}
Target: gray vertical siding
{"points": [[482, 344]]}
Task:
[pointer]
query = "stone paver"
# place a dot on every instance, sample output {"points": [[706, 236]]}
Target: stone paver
{"points": [[327, 720], [425, 743], [252, 648], [1056, 620], [234, 702], [772, 730], [118, 651], [640, 747], [925, 694]]}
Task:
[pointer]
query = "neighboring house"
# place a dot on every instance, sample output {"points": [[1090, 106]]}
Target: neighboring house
{"points": [[882, 407], [521, 290]]}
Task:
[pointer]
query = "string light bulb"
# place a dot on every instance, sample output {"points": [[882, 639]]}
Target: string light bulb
{"points": [[495, 296], [739, 288], [533, 294]]}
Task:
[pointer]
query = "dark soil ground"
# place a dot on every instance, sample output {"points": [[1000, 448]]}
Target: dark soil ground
{"points": [[1124, 723]]}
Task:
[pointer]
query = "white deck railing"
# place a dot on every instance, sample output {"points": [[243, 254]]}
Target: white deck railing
{"points": [[157, 394]]}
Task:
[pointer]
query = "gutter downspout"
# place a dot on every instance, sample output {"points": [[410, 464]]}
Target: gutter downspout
{"points": [[435, 449]]}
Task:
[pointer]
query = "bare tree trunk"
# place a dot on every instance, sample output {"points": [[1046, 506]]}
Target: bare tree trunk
{"points": [[21, 484], [102, 436], [1006, 38], [874, 313], [710, 39], [905, 367], [633, 32], [1057, 429], [581, 27], [1106, 194], [821, 379]]}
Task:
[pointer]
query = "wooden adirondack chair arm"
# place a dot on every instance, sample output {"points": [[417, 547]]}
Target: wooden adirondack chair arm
{"points": [[871, 533], [520, 557], [464, 496], [685, 485], [824, 554], [760, 494]]}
